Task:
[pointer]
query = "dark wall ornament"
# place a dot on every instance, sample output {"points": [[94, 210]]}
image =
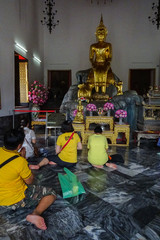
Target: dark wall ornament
{"points": [[49, 15], [156, 18]]}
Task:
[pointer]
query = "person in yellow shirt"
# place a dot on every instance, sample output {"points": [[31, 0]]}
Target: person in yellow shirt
{"points": [[66, 147], [15, 178]]}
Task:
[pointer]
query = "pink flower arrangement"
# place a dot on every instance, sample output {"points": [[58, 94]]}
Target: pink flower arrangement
{"points": [[108, 106], [91, 107], [121, 113], [38, 93]]}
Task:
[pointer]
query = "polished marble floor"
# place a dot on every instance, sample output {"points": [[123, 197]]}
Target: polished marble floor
{"points": [[121, 204]]}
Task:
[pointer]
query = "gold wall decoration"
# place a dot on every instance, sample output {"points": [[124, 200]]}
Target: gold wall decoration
{"points": [[23, 74]]}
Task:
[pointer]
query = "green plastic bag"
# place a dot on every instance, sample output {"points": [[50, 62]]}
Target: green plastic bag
{"points": [[70, 185]]}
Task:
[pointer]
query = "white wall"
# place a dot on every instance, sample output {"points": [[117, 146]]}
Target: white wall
{"points": [[19, 21], [135, 41]]}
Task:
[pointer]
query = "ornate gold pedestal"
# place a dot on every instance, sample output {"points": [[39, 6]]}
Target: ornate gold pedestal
{"points": [[99, 120], [107, 134], [123, 128], [112, 134], [79, 127], [151, 111]]}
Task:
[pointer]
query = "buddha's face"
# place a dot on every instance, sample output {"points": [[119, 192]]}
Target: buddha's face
{"points": [[101, 34]]}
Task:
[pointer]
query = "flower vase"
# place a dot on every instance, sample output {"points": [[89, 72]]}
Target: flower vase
{"points": [[90, 113], [108, 113], [34, 115], [120, 120]]}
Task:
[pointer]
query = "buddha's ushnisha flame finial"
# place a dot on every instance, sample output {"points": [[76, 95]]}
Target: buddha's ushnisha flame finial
{"points": [[101, 26], [101, 21]]}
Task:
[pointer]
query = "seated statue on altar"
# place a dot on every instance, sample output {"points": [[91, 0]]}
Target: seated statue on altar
{"points": [[99, 83], [153, 95], [153, 91], [101, 75]]}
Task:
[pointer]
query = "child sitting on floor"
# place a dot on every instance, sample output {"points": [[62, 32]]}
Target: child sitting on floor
{"points": [[29, 145]]}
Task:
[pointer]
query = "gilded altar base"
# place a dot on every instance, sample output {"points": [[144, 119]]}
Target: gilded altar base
{"points": [[100, 97], [112, 134]]}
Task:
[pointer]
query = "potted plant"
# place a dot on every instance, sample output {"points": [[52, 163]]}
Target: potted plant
{"points": [[37, 95], [91, 107], [107, 107], [121, 114]]}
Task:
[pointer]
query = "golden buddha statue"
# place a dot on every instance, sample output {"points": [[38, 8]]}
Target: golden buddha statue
{"points": [[79, 118], [100, 57], [101, 75]]}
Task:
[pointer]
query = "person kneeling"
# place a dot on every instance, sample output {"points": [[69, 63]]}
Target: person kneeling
{"points": [[15, 176], [66, 147], [98, 146]]}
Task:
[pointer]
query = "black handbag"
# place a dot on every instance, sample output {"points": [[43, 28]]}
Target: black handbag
{"points": [[115, 158]]}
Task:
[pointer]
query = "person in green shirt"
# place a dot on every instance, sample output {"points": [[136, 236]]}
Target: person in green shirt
{"points": [[98, 146]]}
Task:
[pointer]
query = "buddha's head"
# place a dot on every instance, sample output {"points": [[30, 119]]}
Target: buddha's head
{"points": [[101, 31]]}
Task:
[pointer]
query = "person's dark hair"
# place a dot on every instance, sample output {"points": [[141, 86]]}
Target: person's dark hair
{"points": [[13, 138], [67, 127], [24, 122], [98, 129]]}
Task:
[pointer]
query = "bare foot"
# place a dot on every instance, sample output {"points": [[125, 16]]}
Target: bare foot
{"points": [[52, 163], [37, 220], [98, 166], [44, 162], [33, 166], [111, 165]]}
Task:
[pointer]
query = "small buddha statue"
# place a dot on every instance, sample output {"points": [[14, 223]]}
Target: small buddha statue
{"points": [[119, 86], [79, 118]]}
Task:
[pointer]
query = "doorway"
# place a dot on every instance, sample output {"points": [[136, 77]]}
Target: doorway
{"points": [[59, 82], [141, 79]]}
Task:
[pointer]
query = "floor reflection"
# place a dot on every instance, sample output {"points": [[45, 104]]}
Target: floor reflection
{"points": [[122, 204]]}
